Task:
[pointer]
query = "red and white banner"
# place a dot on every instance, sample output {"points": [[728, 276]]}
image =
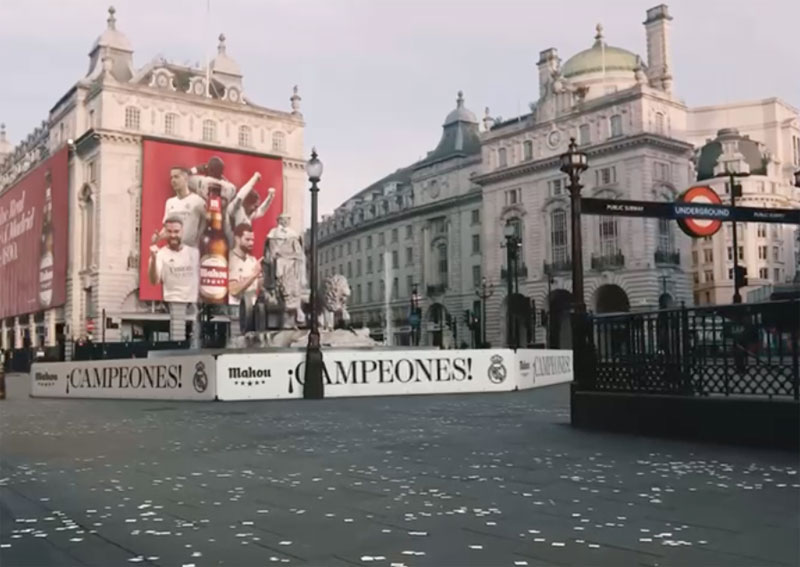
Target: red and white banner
{"points": [[33, 239]]}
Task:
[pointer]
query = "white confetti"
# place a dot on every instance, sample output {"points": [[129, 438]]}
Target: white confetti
{"points": [[418, 533], [285, 542], [476, 547], [557, 544]]}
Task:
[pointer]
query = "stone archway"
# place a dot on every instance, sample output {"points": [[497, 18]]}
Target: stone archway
{"points": [[666, 301], [610, 298], [559, 328]]}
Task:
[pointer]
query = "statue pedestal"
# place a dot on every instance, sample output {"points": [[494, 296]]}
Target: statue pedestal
{"points": [[298, 338]]}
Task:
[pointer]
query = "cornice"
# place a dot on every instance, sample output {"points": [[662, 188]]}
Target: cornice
{"points": [[436, 206], [611, 146]]}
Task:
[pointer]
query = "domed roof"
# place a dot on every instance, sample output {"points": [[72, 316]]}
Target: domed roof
{"points": [[461, 113], [600, 56], [112, 37], [222, 63], [710, 153]]}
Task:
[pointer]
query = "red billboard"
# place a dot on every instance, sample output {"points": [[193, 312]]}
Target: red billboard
{"points": [[33, 239], [193, 199]]}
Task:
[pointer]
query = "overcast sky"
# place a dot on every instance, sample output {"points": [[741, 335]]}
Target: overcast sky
{"points": [[377, 77]]}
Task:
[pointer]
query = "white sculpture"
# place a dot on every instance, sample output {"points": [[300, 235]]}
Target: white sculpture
{"points": [[337, 293]]}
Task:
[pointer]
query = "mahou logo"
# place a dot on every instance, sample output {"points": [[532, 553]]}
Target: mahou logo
{"points": [[213, 277]]}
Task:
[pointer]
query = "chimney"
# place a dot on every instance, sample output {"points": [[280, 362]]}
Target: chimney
{"points": [[548, 64], [659, 60]]}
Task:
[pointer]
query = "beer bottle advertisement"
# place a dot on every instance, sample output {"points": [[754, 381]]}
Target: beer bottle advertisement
{"points": [[198, 184], [214, 253], [46, 248]]}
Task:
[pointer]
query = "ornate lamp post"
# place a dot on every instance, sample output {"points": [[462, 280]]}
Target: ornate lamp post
{"points": [[415, 317], [484, 292], [313, 387], [738, 276], [512, 244]]}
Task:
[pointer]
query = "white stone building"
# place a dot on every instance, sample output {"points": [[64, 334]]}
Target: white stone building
{"points": [[427, 217], [625, 114], [103, 118]]}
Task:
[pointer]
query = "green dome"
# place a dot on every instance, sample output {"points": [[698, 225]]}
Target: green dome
{"points": [[591, 60]]}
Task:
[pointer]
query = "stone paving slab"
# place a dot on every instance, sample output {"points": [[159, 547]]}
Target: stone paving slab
{"points": [[469, 480]]}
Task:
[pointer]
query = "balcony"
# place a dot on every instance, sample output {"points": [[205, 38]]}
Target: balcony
{"points": [[608, 261], [522, 272], [668, 257], [557, 267], [436, 289]]}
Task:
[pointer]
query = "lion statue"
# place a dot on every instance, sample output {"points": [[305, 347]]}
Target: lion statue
{"points": [[334, 302]]}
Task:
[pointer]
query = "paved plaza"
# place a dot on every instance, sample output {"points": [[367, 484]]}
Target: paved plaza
{"points": [[470, 480]]}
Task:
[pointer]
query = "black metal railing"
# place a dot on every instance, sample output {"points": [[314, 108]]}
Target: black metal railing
{"points": [[608, 261], [436, 289], [558, 266], [728, 350], [668, 257], [522, 271]]}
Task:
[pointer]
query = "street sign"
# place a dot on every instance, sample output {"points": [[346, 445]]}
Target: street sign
{"points": [[663, 210], [700, 227]]}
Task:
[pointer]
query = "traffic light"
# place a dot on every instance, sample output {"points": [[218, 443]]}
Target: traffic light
{"points": [[741, 276]]}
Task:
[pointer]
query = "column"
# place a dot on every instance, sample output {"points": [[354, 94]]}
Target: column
{"points": [[177, 321], [32, 331], [50, 326], [3, 336], [17, 333]]}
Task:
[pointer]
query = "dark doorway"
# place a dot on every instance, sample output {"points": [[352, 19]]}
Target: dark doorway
{"points": [[559, 329], [610, 298]]}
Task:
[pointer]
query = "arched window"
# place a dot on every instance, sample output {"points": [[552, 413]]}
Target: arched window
{"points": [[245, 137], [209, 131], [441, 250], [659, 123], [132, 118], [171, 124], [559, 244], [609, 236], [278, 142]]}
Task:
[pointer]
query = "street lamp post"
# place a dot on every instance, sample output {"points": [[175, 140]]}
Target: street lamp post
{"points": [[573, 163], [484, 292], [416, 317], [550, 282], [512, 245], [313, 387], [735, 192]]}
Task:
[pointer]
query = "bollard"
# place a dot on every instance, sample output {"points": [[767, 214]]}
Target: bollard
{"points": [[2, 377]]}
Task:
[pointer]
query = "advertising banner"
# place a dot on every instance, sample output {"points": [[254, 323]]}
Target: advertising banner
{"points": [[193, 200], [174, 378], [367, 373], [33, 239], [539, 368]]}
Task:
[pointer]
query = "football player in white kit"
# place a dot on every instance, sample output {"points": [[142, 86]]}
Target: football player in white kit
{"points": [[176, 266], [189, 207], [244, 208]]}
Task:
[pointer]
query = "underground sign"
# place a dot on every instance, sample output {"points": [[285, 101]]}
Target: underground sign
{"points": [[697, 197]]}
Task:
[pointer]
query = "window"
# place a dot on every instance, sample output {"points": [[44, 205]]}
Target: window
{"points": [[245, 136], [91, 119], [476, 216], [709, 275], [762, 231], [555, 187], [502, 160], [369, 291], [341, 250], [442, 252], [395, 286], [381, 239], [91, 171], [369, 242], [762, 252], [661, 171], [605, 176], [476, 243], [349, 248], [760, 186], [358, 267], [409, 232], [696, 278], [383, 290], [796, 150], [409, 284], [763, 273], [584, 134], [358, 293], [394, 235], [775, 255], [395, 259], [694, 257], [609, 244], [527, 150], [558, 235], [616, 125], [171, 124], [369, 264], [741, 251], [666, 237], [777, 272], [341, 269], [278, 142], [513, 196], [730, 273], [209, 131], [358, 245], [349, 270], [132, 118], [774, 231], [659, 123], [476, 276], [409, 256], [380, 263], [708, 256]]}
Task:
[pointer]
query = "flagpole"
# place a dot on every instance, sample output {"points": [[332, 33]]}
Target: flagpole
{"points": [[208, 59]]}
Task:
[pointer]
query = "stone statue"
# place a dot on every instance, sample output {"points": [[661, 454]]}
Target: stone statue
{"points": [[334, 302], [285, 271]]}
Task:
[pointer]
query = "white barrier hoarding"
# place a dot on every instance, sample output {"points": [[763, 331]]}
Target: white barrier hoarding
{"points": [[537, 368], [261, 376], [174, 378]]}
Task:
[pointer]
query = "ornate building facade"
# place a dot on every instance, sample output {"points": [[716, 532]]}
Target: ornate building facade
{"points": [[103, 120], [425, 221]]}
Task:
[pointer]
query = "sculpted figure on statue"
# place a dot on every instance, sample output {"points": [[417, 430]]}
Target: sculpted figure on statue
{"points": [[285, 270]]}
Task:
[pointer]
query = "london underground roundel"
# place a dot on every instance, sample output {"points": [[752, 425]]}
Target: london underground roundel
{"points": [[699, 228]]}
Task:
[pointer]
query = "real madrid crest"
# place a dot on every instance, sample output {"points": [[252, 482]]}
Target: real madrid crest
{"points": [[497, 370], [200, 380]]}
